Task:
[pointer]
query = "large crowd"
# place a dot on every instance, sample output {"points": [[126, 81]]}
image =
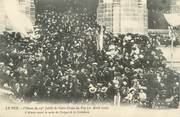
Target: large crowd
{"points": [[63, 63]]}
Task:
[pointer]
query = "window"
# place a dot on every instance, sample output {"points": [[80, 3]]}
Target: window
{"points": [[116, 1], [140, 3], [21, 1], [100, 1]]}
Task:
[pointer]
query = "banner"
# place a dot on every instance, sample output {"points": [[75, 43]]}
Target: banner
{"points": [[101, 39], [18, 20]]}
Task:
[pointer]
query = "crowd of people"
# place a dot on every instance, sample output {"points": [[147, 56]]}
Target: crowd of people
{"points": [[63, 63], [165, 40]]}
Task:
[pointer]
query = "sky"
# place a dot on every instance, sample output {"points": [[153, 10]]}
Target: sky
{"points": [[156, 9]]}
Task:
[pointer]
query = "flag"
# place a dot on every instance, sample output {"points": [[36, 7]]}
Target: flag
{"points": [[173, 19], [17, 19], [101, 38], [172, 33]]}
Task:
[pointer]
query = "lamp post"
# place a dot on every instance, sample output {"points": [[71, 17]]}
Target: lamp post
{"points": [[172, 37], [173, 20]]}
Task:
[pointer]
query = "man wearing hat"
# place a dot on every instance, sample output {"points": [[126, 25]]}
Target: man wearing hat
{"points": [[117, 97]]}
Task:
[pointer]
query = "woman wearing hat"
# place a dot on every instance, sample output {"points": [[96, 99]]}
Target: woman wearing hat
{"points": [[130, 97]]}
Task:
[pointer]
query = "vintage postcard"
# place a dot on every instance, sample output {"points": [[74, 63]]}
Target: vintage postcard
{"points": [[68, 58]]}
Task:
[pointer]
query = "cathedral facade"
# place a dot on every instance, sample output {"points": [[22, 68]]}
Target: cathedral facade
{"points": [[123, 16]]}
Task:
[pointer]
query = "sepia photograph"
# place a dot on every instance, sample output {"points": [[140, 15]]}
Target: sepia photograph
{"points": [[90, 58]]}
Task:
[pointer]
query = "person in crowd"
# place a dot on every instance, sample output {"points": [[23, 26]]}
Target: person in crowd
{"points": [[117, 96], [142, 97]]}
